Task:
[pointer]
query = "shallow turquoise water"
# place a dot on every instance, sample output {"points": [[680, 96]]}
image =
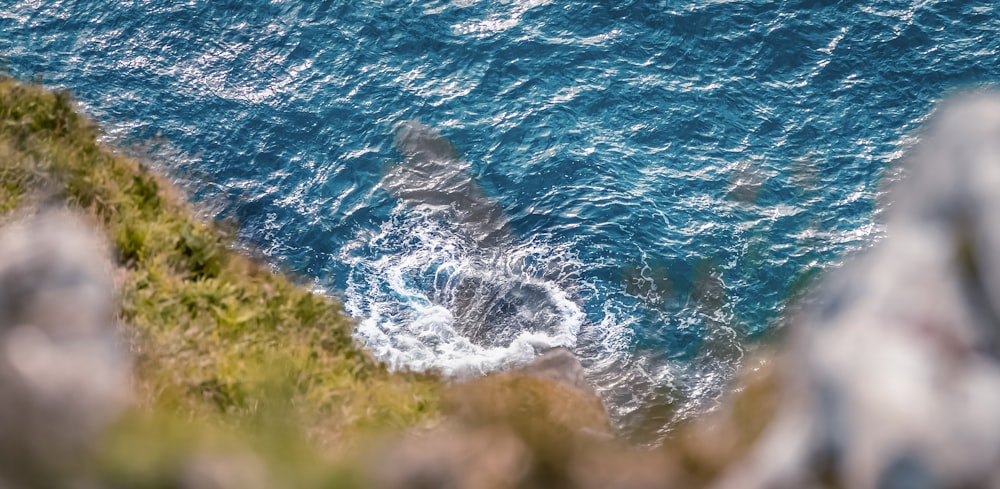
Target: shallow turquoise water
{"points": [[670, 169]]}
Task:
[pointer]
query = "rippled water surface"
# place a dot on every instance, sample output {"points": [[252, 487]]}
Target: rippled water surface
{"points": [[670, 170]]}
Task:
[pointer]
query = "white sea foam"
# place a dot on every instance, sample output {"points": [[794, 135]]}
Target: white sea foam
{"points": [[409, 277], [410, 282]]}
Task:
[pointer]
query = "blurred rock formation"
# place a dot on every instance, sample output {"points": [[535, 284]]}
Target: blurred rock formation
{"points": [[892, 375], [62, 375], [522, 428]]}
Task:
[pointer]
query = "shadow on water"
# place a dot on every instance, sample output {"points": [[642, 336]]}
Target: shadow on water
{"points": [[456, 288], [473, 283]]}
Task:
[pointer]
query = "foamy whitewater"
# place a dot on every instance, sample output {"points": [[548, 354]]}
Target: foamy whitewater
{"points": [[407, 274]]}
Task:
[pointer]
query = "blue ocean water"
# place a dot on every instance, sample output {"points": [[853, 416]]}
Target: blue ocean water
{"points": [[671, 170]]}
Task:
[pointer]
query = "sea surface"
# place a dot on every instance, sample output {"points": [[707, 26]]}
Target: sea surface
{"points": [[672, 171]]}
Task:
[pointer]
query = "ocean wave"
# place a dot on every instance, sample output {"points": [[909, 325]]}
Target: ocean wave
{"points": [[430, 298]]}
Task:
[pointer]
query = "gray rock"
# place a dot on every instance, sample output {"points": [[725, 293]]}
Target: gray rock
{"points": [[231, 471], [893, 377], [561, 365], [455, 458], [62, 375]]}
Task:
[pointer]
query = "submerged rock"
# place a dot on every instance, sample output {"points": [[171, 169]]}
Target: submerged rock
{"points": [[892, 378], [62, 375]]}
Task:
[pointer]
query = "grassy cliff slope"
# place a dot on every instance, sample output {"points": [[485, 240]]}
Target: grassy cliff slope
{"points": [[213, 334]]}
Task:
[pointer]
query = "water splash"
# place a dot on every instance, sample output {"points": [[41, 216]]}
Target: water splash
{"points": [[432, 299]]}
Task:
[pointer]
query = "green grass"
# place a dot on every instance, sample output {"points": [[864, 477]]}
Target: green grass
{"points": [[216, 337]]}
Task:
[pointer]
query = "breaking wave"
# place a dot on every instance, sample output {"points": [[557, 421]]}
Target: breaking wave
{"points": [[431, 299]]}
